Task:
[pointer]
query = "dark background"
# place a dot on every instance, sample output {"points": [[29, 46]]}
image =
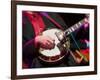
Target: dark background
{"points": [[71, 18]]}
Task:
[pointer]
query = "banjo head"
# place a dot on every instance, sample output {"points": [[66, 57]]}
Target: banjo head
{"points": [[51, 55]]}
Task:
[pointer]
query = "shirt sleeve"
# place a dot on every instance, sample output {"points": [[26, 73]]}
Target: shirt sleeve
{"points": [[28, 41]]}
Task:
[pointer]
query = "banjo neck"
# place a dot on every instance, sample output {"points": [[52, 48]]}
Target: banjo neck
{"points": [[74, 27]]}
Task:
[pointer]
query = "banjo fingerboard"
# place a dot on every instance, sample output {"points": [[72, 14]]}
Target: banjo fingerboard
{"points": [[74, 27]]}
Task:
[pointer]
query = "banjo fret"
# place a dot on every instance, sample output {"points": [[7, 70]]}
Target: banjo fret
{"points": [[74, 27]]}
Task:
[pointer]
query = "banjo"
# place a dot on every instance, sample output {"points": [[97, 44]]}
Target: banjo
{"points": [[62, 43]]}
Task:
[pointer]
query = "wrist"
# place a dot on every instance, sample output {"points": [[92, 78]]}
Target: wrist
{"points": [[36, 41]]}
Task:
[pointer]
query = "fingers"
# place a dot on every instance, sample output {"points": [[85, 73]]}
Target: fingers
{"points": [[47, 45], [50, 45], [46, 42], [50, 40], [86, 23]]}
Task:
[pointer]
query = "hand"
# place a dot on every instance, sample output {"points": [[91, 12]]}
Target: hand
{"points": [[45, 42], [86, 23]]}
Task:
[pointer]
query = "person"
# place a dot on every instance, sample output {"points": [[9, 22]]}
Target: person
{"points": [[33, 24]]}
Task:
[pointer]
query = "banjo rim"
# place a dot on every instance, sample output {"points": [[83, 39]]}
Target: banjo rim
{"points": [[50, 60], [54, 58]]}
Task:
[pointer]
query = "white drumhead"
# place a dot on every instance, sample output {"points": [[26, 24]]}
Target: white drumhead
{"points": [[55, 51], [52, 52]]}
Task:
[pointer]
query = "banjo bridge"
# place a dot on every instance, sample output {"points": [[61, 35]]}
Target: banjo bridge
{"points": [[64, 46]]}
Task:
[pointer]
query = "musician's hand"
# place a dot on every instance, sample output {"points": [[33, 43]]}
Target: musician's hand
{"points": [[86, 22], [45, 42]]}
